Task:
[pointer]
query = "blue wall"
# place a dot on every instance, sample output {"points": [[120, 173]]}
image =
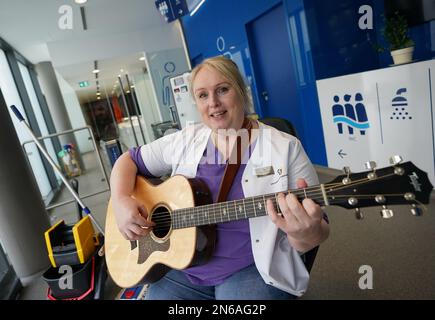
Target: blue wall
{"points": [[325, 40], [215, 19], [338, 45]]}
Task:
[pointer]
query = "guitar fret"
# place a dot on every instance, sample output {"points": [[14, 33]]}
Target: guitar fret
{"points": [[216, 213], [240, 210], [213, 212], [206, 216], [276, 205], [243, 201], [235, 209], [253, 205], [228, 212]]}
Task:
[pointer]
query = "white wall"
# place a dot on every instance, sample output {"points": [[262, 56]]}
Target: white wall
{"points": [[75, 114]]}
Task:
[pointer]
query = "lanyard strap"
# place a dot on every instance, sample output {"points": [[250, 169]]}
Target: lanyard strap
{"points": [[232, 168]]}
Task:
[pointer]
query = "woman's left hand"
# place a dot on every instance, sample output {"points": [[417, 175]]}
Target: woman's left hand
{"points": [[302, 222]]}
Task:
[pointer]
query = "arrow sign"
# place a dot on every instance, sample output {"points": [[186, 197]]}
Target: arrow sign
{"points": [[341, 153]]}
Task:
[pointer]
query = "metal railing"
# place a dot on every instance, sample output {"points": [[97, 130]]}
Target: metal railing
{"points": [[99, 158]]}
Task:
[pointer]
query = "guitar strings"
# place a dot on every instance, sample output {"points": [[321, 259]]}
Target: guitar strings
{"points": [[204, 211], [164, 222], [167, 224], [201, 210]]}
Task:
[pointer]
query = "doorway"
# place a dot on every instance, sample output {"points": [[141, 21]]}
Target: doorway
{"points": [[274, 71]]}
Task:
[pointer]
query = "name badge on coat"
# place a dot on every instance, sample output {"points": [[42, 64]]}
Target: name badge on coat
{"points": [[265, 171]]}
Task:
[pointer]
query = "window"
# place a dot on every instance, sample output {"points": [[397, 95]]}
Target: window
{"points": [[36, 107], [11, 96]]}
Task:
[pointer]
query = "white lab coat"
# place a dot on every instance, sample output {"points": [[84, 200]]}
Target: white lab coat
{"points": [[279, 264]]}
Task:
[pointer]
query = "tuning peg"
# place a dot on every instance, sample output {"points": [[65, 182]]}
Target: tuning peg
{"points": [[386, 213], [394, 160], [358, 214], [347, 171], [416, 211], [370, 165], [380, 199]]}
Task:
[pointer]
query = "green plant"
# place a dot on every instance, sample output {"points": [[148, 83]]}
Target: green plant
{"points": [[396, 32]]}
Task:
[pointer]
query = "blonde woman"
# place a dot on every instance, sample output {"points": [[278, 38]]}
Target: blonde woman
{"points": [[256, 258]]}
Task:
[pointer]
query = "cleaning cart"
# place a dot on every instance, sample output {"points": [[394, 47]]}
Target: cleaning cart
{"points": [[78, 270]]}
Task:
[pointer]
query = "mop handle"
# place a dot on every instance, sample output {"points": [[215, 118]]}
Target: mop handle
{"points": [[55, 167]]}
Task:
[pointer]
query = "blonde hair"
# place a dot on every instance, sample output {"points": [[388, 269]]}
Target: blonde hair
{"points": [[229, 70]]}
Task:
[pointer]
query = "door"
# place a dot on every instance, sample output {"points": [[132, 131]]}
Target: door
{"points": [[274, 72]]}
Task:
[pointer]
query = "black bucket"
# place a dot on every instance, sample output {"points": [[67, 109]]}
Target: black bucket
{"points": [[83, 276]]}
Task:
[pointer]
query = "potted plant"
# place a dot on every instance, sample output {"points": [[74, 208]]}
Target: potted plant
{"points": [[396, 33]]}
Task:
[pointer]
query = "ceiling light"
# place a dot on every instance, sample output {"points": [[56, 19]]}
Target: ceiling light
{"points": [[122, 70], [132, 86], [128, 91], [95, 71], [98, 93], [80, 1], [98, 98], [142, 58]]}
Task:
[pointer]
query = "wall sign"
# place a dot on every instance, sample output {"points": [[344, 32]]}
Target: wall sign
{"points": [[374, 115]]}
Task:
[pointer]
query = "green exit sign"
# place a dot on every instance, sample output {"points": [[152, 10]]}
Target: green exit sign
{"points": [[83, 84]]}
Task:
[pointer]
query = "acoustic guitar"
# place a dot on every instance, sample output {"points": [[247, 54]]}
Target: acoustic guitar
{"points": [[185, 218]]}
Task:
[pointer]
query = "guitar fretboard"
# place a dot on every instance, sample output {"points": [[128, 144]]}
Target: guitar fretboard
{"points": [[237, 209]]}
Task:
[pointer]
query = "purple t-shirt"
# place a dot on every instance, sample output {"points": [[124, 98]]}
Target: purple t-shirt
{"points": [[233, 250]]}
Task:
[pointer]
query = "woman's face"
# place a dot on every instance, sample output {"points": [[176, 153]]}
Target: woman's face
{"points": [[218, 103]]}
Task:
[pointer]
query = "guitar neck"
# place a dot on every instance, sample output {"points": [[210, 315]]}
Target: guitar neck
{"points": [[239, 209]]}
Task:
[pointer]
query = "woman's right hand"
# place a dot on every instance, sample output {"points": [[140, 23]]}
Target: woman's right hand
{"points": [[131, 218]]}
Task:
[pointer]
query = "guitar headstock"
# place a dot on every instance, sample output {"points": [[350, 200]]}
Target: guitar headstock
{"points": [[401, 183]]}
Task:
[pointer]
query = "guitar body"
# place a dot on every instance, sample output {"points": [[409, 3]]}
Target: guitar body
{"points": [[150, 258]]}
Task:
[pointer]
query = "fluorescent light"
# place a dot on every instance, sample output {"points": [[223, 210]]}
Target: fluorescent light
{"points": [[95, 71], [142, 58], [197, 8], [80, 1]]}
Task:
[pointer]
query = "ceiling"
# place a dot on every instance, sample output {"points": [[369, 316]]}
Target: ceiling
{"points": [[110, 69], [118, 33]]}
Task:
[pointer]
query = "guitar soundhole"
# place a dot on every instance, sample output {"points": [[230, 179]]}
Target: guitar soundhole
{"points": [[163, 221]]}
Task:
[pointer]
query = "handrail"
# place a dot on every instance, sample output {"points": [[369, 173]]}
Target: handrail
{"points": [[100, 160]]}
